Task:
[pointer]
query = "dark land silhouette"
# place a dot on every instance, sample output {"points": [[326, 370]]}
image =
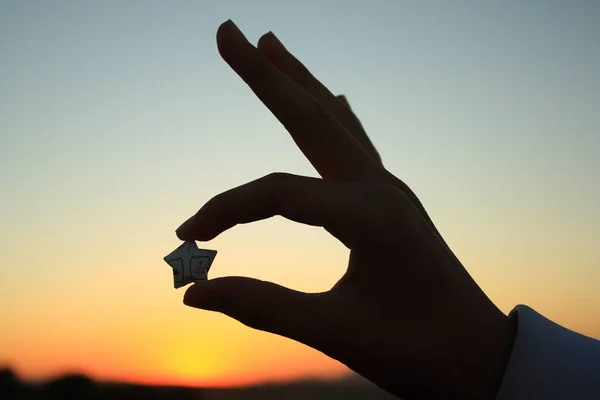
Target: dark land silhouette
{"points": [[82, 387]]}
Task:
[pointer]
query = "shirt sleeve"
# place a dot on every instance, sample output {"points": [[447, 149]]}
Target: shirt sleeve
{"points": [[550, 362]]}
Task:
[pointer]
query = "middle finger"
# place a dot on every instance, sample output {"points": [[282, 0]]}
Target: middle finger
{"points": [[286, 62], [330, 148]]}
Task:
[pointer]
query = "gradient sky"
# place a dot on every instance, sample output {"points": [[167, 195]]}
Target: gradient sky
{"points": [[118, 120]]}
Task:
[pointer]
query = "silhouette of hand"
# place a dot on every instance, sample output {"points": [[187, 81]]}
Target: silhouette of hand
{"points": [[406, 314]]}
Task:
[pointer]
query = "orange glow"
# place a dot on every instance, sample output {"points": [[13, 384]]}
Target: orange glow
{"points": [[138, 331], [119, 120]]}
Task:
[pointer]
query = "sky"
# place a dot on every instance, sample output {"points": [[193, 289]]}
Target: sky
{"points": [[119, 120]]}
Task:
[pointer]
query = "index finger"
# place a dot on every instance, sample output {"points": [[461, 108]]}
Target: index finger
{"points": [[330, 148], [348, 210]]}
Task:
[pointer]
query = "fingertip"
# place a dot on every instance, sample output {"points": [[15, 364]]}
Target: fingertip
{"points": [[225, 26], [343, 100], [222, 29], [199, 296], [227, 23], [187, 297], [187, 235], [198, 227], [271, 41], [227, 33], [265, 39], [183, 232], [182, 235]]}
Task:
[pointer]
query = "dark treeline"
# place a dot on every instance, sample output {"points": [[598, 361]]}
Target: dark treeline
{"points": [[82, 387]]}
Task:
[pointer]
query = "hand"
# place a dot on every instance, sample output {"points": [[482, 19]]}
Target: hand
{"points": [[406, 314]]}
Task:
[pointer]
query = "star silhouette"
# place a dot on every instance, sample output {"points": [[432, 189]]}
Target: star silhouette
{"points": [[189, 263]]}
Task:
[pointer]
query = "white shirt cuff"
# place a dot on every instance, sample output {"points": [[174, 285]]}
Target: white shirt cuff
{"points": [[550, 362]]}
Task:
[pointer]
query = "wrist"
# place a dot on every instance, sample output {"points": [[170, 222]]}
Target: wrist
{"points": [[484, 351]]}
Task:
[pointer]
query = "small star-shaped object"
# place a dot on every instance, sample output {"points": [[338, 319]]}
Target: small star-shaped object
{"points": [[190, 263]]}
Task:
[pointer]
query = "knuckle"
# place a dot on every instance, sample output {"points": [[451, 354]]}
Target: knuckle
{"points": [[217, 206], [387, 203], [277, 178], [218, 200]]}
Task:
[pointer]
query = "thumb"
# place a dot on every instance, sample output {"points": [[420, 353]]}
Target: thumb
{"points": [[265, 306]]}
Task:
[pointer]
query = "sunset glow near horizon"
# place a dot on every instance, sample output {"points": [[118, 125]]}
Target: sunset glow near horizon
{"points": [[118, 120]]}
